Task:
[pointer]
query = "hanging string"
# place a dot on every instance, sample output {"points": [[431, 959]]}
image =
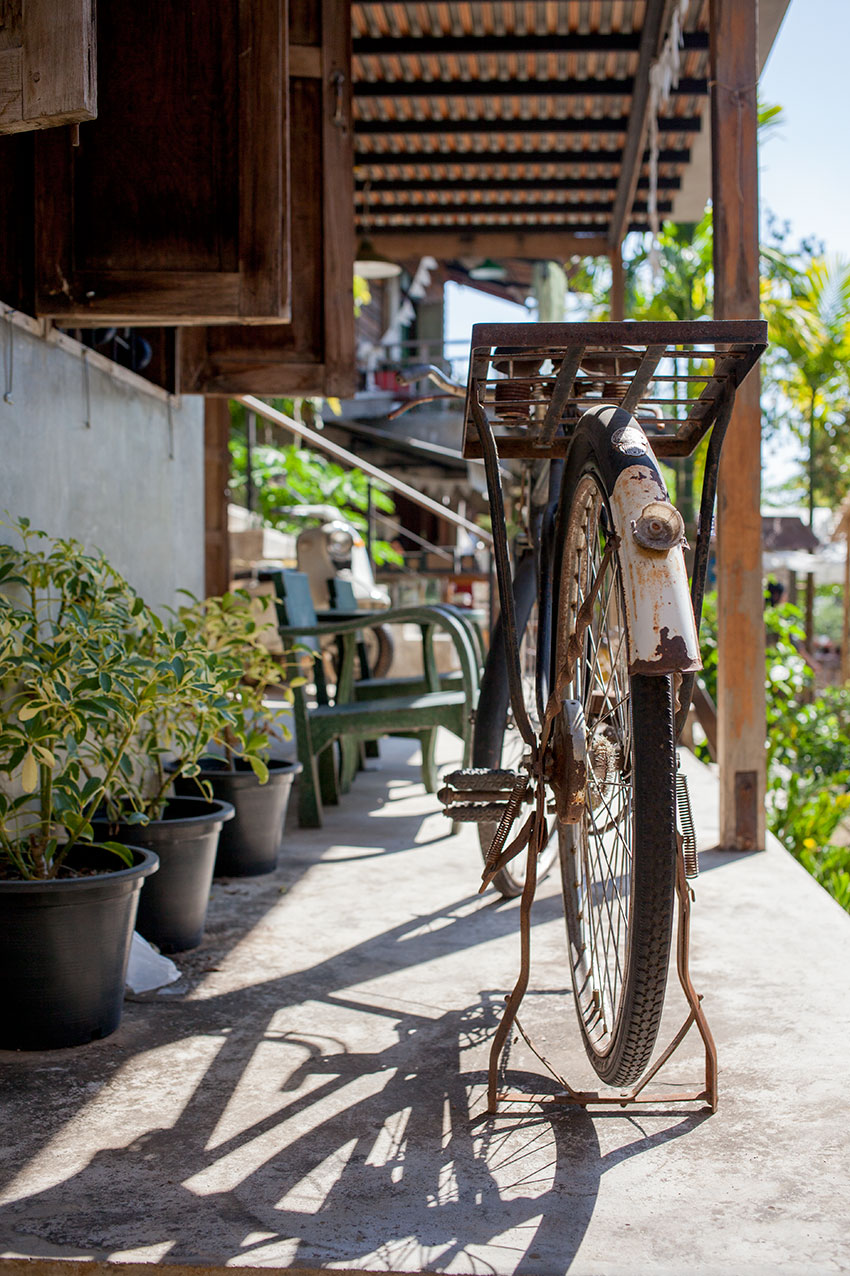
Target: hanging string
{"points": [[663, 78]]}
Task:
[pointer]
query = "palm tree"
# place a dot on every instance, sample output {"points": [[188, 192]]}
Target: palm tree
{"points": [[808, 313]]}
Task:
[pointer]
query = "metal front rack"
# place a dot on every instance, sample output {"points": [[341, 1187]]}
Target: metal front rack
{"points": [[535, 381]]}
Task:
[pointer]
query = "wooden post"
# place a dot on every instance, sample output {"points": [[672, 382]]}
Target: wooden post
{"points": [[618, 285], [741, 639], [216, 478]]}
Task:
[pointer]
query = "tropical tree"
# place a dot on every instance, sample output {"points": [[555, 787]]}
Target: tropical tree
{"points": [[808, 312]]}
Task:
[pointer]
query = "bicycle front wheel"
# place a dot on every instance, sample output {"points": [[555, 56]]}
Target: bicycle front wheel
{"points": [[618, 863]]}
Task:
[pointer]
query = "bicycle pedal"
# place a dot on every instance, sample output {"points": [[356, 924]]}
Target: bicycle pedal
{"points": [[477, 795], [481, 778]]}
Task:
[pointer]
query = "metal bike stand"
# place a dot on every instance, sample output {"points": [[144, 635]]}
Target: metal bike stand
{"points": [[529, 384], [639, 1092]]}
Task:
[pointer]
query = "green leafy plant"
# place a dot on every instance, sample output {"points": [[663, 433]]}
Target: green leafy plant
{"points": [[808, 749], [232, 628], [188, 706], [215, 674], [290, 474], [76, 689]]}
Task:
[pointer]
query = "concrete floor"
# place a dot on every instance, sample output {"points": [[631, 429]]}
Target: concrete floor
{"points": [[310, 1094]]}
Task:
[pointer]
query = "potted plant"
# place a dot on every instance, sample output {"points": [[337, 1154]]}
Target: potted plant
{"points": [[191, 707], [67, 901], [241, 769]]}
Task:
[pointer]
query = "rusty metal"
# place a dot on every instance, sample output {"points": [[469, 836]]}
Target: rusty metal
{"points": [[509, 853], [509, 814], [567, 763], [503, 570], [535, 845], [640, 1092], [497, 780], [535, 381], [659, 528], [671, 656]]}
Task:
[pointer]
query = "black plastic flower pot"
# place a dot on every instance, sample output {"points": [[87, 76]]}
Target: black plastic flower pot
{"points": [[249, 844], [173, 905], [64, 948]]}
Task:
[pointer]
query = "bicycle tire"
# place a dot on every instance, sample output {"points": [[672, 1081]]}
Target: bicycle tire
{"points": [[495, 742], [618, 864]]}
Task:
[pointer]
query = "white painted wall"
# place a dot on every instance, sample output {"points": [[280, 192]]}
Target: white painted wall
{"points": [[96, 463]]}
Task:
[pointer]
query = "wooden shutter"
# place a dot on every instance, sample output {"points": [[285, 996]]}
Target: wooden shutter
{"points": [[47, 71], [16, 216], [173, 208], [314, 354]]}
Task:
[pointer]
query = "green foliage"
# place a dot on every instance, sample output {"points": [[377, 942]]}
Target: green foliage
{"points": [[290, 474], [75, 689], [829, 865], [236, 632], [214, 674], [806, 301], [99, 694], [787, 676], [808, 749], [362, 294], [829, 612]]}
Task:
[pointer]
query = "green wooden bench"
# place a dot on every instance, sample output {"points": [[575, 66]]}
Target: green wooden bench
{"points": [[346, 720], [368, 687]]}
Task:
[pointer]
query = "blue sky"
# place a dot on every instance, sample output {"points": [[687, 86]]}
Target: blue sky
{"points": [[805, 168]]}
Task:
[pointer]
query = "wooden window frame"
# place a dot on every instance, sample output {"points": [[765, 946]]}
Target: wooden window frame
{"points": [[259, 360], [260, 289]]}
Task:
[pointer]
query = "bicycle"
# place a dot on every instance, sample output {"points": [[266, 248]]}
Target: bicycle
{"points": [[588, 409]]}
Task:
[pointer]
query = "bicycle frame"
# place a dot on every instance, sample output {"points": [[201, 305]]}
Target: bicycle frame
{"points": [[617, 624], [620, 362]]}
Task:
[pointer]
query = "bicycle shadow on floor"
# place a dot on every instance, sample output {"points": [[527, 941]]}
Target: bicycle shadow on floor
{"points": [[355, 1148]]}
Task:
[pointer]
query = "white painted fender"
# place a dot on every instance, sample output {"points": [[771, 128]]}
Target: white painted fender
{"points": [[662, 633]]}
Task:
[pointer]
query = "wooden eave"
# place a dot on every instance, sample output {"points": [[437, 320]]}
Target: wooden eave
{"points": [[516, 125]]}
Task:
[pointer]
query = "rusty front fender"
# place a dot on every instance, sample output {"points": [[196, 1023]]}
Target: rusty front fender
{"points": [[662, 633], [662, 636]]}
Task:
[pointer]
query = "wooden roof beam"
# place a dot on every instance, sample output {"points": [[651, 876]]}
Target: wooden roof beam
{"points": [[479, 45], [501, 127], [612, 155], [364, 89], [501, 206], [512, 222], [542, 243], [508, 184], [652, 35]]}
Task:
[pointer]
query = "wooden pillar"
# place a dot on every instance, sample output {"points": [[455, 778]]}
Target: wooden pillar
{"points": [[618, 285], [216, 478], [741, 639]]}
